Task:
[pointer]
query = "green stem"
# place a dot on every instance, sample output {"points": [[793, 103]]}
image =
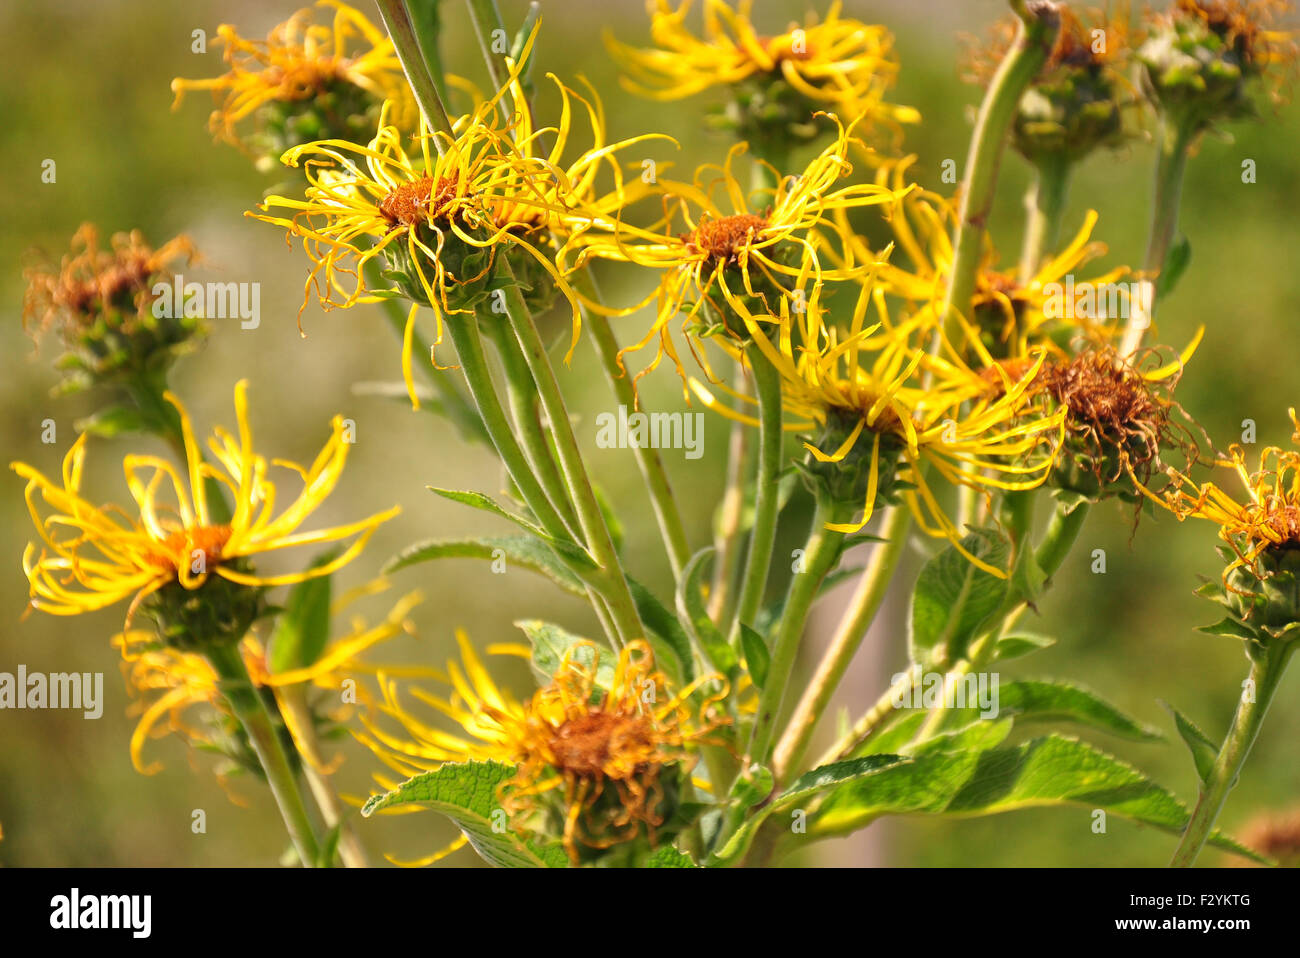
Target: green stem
{"points": [[521, 393], [594, 529], [1266, 668], [1176, 137], [660, 490], [398, 21], [820, 555], [1044, 207], [1039, 23], [762, 538], [252, 714], [857, 619], [726, 539]]}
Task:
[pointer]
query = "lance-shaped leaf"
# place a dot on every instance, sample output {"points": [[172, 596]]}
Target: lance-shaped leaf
{"points": [[1048, 700], [954, 598], [694, 616], [303, 629], [524, 551], [466, 792], [550, 645], [1204, 752]]}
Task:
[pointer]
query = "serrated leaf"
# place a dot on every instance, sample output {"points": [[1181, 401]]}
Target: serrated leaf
{"points": [[953, 598], [1053, 770], [665, 856], [303, 629], [757, 657], [1204, 752], [1020, 644], [1041, 700], [466, 792], [551, 643], [671, 644], [525, 551], [694, 615]]}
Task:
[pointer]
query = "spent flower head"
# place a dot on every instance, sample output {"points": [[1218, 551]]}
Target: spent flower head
{"points": [[307, 81]]}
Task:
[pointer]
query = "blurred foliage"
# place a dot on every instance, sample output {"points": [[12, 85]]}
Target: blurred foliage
{"points": [[87, 85]]}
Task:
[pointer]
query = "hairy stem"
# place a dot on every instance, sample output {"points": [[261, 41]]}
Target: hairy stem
{"points": [[1266, 668], [1044, 207], [397, 19]]}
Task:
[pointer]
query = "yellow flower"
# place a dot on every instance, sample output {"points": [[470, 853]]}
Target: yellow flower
{"points": [[297, 63], [93, 556], [575, 740], [1009, 316], [1265, 519], [880, 421], [169, 682], [840, 65], [439, 219], [726, 253]]}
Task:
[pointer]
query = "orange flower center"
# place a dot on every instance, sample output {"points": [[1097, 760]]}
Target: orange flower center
{"points": [[183, 546], [599, 743], [418, 201], [720, 239]]}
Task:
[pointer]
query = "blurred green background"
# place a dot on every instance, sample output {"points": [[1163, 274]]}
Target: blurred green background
{"points": [[86, 84]]}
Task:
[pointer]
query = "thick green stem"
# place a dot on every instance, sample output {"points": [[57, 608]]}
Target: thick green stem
{"points": [[727, 535], [820, 555], [648, 460], [398, 21], [521, 392], [594, 529], [762, 538], [857, 619], [252, 714], [1035, 35], [1044, 207], [1266, 668], [1176, 137]]}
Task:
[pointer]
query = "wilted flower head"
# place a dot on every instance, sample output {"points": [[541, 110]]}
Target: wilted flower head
{"points": [[776, 82], [306, 81], [1076, 103], [99, 302], [1200, 55], [600, 753], [188, 568]]}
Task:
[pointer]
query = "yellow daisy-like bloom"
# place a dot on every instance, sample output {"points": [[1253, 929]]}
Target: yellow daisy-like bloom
{"points": [[1265, 519], [576, 739], [838, 64], [737, 251], [863, 389], [439, 218], [169, 682], [93, 556], [1010, 316], [298, 61]]}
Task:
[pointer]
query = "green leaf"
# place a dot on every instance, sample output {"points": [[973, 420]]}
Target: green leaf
{"points": [[466, 792], [1022, 643], [671, 644], [612, 521], [757, 656], [1176, 260], [693, 614], [954, 598], [1047, 700], [1053, 770], [113, 421], [477, 500], [303, 629], [978, 736], [550, 644], [329, 847], [665, 856], [525, 551], [1228, 626], [1204, 752], [807, 786]]}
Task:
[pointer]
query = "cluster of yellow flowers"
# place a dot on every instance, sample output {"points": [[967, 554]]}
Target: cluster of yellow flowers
{"points": [[902, 398]]}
